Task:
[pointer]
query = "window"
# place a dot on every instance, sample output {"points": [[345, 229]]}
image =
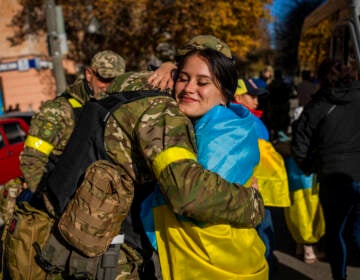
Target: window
{"points": [[2, 143], [14, 132]]}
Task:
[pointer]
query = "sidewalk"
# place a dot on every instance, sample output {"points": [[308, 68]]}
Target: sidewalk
{"points": [[292, 268]]}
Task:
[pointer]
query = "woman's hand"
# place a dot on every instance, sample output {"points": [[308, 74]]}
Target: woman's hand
{"points": [[162, 77]]}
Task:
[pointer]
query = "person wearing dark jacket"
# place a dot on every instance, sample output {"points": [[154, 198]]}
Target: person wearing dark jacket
{"points": [[326, 140]]}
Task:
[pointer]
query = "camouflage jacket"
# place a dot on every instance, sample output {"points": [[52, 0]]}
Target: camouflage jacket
{"points": [[151, 138], [50, 131]]}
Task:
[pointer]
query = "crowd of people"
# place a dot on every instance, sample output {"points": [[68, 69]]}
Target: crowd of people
{"points": [[172, 174]]}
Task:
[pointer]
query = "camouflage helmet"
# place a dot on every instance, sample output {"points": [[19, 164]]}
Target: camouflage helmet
{"points": [[108, 64], [205, 42]]}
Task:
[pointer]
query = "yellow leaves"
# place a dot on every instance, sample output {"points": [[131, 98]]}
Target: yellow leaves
{"points": [[135, 28], [243, 44], [314, 45]]}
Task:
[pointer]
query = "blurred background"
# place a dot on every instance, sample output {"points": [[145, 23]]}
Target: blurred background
{"points": [[45, 44]]}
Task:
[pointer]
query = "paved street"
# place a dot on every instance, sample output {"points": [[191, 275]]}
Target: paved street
{"points": [[292, 268]]}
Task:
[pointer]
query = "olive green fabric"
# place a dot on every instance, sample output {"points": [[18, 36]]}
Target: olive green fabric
{"points": [[108, 64], [138, 132], [95, 214], [28, 226], [53, 123], [205, 42]]}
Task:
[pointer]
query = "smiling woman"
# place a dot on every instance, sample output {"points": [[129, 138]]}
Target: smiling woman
{"points": [[196, 89], [206, 78], [205, 84]]}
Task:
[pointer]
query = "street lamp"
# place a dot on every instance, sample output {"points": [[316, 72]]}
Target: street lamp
{"points": [[55, 45]]}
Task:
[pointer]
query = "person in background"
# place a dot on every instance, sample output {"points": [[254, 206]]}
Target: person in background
{"points": [[278, 109], [247, 95], [304, 218], [262, 81], [326, 140], [304, 189], [53, 124], [306, 88], [264, 78]]}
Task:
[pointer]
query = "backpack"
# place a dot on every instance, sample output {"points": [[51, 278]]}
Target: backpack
{"points": [[85, 146], [83, 185], [27, 226]]}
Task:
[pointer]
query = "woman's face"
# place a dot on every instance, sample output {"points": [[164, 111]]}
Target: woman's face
{"points": [[196, 90]]}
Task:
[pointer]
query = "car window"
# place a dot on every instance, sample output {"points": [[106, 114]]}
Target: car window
{"points": [[2, 143], [14, 132]]}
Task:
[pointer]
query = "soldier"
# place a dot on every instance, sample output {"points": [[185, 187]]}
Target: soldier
{"points": [[52, 126]]}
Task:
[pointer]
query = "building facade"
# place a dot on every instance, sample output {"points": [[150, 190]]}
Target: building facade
{"points": [[25, 77]]}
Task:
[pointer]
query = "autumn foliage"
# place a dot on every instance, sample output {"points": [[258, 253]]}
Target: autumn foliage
{"points": [[144, 31], [314, 45]]}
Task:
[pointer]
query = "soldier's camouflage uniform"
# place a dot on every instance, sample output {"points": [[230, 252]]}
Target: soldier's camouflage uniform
{"points": [[152, 138], [201, 42], [52, 126]]}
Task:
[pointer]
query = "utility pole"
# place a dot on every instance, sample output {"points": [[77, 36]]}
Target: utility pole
{"points": [[54, 45]]}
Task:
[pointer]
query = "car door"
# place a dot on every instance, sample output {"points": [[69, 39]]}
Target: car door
{"points": [[13, 133]]}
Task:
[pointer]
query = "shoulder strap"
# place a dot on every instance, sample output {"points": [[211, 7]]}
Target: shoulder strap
{"points": [[86, 145], [115, 100], [73, 102], [77, 107]]}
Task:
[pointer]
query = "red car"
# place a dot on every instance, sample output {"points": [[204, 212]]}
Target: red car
{"points": [[13, 132]]}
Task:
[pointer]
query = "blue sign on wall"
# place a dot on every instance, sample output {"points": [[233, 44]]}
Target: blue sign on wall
{"points": [[20, 65]]}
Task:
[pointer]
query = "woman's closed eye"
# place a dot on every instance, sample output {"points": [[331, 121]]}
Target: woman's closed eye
{"points": [[182, 78], [203, 82]]}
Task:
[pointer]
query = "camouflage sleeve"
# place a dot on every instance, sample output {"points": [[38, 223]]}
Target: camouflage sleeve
{"points": [[165, 136], [52, 127]]}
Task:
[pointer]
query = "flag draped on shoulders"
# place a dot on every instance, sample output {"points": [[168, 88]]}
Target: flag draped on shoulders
{"points": [[271, 172], [227, 144]]}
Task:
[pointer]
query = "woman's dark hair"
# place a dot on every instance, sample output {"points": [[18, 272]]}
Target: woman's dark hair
{"points": [[333, 73], [222, 67]]}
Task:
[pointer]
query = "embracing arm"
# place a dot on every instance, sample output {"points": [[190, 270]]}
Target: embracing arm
{"points": [[167, 141], [163, 76]]}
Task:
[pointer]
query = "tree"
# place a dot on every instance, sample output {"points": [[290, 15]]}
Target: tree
{"points": [[314, 45], [288, 25], [141, 29]]}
